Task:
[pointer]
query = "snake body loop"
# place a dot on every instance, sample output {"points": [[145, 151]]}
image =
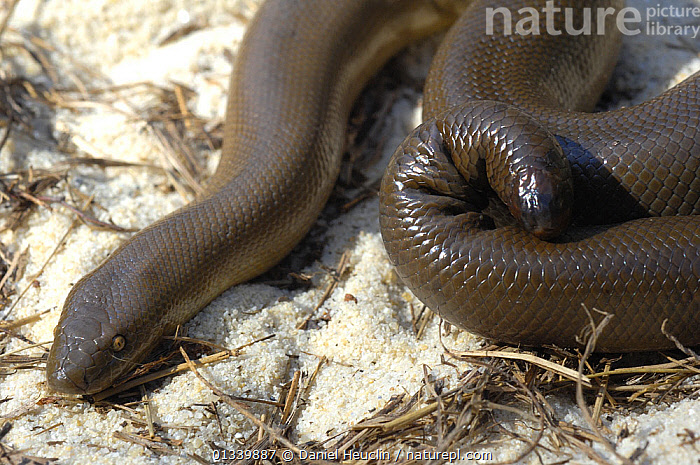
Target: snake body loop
{"points": [[498, 280], [299, 69]]}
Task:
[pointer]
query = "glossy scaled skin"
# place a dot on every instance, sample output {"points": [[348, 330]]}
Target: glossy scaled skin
{"points": [[502, 282], [299, 69]]}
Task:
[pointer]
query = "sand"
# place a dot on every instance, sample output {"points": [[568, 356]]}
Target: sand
{"points": [[371, 348]]}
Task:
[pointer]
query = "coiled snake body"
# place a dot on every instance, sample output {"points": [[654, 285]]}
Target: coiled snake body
{"points": [[298, 71]]}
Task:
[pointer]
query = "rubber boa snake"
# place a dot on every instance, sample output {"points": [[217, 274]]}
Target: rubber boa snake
{"points": [[299, 69]]}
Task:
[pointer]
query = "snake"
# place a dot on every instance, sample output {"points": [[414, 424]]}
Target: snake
{"points": [[605, 205]]}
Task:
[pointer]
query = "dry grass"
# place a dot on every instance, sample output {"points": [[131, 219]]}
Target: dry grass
{"points": [[505, 389], [25, 107]]}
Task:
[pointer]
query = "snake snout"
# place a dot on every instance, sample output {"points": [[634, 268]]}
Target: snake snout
{"points": [[543, 202], [64, 377], [83, 347]]}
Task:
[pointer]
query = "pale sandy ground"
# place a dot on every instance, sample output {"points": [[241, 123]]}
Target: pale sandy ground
{"points": [[372, 349]]}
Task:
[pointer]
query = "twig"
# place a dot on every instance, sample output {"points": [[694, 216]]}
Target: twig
{"points": [[11, 269], [209, 359], [568, 373], [678, 344], [43, 267], [217, 357], [596, 330], [8, 14], [330, 287], [240, 407]]}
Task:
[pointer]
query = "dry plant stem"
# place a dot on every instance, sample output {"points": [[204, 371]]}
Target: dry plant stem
{"points": [[540, 362], [297, 394], [426, 316], [11, 268], [84, 217], [601, 394], [182, 106], [538, 403], [198, 459], [147, 412], [661, 368], [240, 407], [43, 267], [684, 363], [169, 136], [218, 347], [463, 424], [167, 158], [330, 287], [596, 330], [154, 446], [8, 14], [23, 321], [21, 349], [217, 357], [675, 385], [290, 410], [290, 396], [401, 421], [686, 350], [212, 404], [209, 359], [101, 162], [261, 432], [7, 133], [8, 455], [48, 429]]}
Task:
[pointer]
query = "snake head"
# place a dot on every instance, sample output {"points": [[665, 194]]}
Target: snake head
{"points": [[543, 199], [90, 351]]}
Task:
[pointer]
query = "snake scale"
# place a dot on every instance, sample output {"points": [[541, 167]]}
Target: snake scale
{"points": [[503, 119]]}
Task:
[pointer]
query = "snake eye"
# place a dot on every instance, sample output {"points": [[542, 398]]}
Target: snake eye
{"points": [[118, 343]]}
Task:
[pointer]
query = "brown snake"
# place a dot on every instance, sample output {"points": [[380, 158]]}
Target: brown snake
{"points": [[297, 74]]}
